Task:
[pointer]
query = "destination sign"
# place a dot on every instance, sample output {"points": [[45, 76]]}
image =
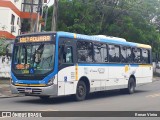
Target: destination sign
{"points": [[35, 39]]}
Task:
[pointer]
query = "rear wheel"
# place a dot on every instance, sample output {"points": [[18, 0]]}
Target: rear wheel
{"points": [[81, 91], [131, 86]]}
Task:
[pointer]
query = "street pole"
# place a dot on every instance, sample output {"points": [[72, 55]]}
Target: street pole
{"points": [[31, 24], [54, 17], [38, 15], [46, 15]]}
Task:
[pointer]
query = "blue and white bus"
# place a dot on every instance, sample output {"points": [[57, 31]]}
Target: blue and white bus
{"points": [[61, 63]]}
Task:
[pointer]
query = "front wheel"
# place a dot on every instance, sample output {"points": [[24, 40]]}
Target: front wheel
{"points": [[81, 91]]}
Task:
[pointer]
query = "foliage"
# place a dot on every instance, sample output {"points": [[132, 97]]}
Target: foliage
{"points": [[134, 20], [2, 45]]}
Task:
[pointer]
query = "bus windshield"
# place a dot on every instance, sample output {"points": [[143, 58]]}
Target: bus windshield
{"points": [[33, 59]]}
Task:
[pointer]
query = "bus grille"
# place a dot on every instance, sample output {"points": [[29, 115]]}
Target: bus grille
{"points": [[34, 90]]}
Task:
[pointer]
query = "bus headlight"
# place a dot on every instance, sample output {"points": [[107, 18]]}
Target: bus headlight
{"points": [[50, 82]]}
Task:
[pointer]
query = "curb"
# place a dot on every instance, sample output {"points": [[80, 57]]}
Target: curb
{"points": [[156, 79], [9, 96], [5, 92]]}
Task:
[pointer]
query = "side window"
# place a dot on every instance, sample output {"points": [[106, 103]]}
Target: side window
{"points": [[69, 55], [12, 19], [129, 55], [123, 54], [145, 56], [85, 51], [114, 53], [136, 55], [100, 53]]}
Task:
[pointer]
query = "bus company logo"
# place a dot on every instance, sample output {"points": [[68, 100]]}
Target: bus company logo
{"points": [[101, 70], [20, 114]]}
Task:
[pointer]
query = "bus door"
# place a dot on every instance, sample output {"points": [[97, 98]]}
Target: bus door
{"points": [[66, 69]]}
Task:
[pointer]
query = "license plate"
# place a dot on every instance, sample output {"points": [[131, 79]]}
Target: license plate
{"points": [[28, 90]]}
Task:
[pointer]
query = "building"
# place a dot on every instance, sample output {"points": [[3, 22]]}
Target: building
{"points": [[20, 16], [17, 17]]}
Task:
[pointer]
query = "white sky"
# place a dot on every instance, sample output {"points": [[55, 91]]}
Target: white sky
{"points": [[50, 2]]}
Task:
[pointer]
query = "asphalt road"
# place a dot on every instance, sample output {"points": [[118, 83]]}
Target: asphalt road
{"points": [[146, 98]]}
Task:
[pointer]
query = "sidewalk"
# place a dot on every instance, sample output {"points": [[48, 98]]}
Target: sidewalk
{"points": [[5, 89], [156, 79]]}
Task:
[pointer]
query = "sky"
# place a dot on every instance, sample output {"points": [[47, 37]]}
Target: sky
{"points": [[50, 2]]}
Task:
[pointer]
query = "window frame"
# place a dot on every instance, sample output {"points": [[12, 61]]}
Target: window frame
{"points": [[133, 59], [65, 62], [119, 58], [106, 46], [149, 57], [128, 60], [12, 19], [78, 54]]}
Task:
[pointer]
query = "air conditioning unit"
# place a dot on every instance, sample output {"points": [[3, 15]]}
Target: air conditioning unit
{"points": [[13, 28]]}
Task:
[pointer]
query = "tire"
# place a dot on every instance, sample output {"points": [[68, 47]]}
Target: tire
{"points": [[44, 97], [131, 86], [81, 91]]}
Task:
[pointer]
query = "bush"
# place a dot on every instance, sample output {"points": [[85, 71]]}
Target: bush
{"points": [[2, 45]]}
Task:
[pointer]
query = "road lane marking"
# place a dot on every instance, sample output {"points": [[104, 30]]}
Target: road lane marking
{"points": [[154, 95]]}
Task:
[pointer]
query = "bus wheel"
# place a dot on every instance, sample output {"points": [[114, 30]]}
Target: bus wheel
{"points": [[44, 97], [81, 91], [131, 86]]}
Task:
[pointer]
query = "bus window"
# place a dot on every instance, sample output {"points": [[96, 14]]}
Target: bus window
{"points": [[69, 55], [129, 55], [123, 54], [100, 53], [114, 53], [85, 51], [136, 55], [145, 56]]}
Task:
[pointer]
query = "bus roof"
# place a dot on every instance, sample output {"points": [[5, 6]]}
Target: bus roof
{"points": [[101, 38], [113, 40], [36, 33], [110, 38]]}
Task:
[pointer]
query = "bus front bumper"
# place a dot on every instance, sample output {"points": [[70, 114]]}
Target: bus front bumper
{"points": [[35, 91]]}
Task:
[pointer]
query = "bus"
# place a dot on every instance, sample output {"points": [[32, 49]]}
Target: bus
{"points": [[51, 64]]}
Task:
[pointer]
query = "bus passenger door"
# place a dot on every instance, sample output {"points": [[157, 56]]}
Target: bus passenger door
{"points": [[66, 67]]}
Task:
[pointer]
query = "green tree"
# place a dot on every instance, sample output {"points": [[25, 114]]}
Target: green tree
{"points": [[134, 20], [2, 45]]}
